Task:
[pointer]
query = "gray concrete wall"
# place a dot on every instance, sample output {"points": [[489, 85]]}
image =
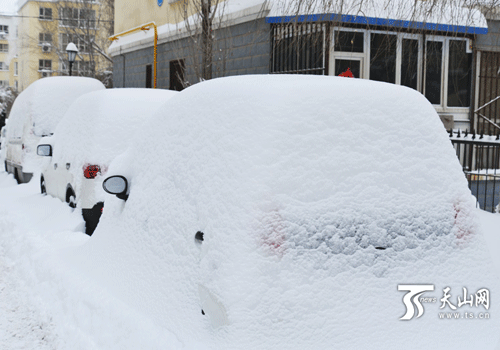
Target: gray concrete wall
{"points": [[490, 41], [239, 49]]}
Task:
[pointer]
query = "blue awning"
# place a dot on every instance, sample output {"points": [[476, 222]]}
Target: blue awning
{"points": [[332, 17]]}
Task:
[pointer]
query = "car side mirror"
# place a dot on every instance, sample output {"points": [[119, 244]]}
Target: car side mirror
{"points": [[116, 185], [44, 150]]}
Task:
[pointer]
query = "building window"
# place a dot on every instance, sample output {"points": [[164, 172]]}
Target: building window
{"points": [[4, 47], [4, 83], [298, 49], [409, 62], [459, 74], [74, 17], [17, 85], [348, 41], [4, 31], [45, 14], [149, 76], [45, 38], [4, 66], [16, 66], [433, 71], [82, 42], [383, 57], [45, 65], [177, 78]]}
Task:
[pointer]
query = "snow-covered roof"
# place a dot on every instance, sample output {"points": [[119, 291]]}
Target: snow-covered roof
{"points": [[317, 196], [445, 16], [8, 7]]}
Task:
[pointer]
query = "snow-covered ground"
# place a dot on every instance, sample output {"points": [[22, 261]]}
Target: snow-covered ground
{"points": [[34, 232], [44, 302]]}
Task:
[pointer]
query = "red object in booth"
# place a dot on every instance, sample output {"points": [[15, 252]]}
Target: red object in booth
{"points": [[347, 74]]}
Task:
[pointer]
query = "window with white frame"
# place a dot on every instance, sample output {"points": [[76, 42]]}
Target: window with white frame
{"points": [[16, 68], [4, 29], [4, 47], [45, 65], [75, 17], [350, 48], [448, 72], [383, 51], [45, 14], [4, 83], [4, 66], [443, 75]]}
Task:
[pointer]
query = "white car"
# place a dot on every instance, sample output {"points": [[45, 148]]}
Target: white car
{"points": [[97, 127], [35, 113], [3, 135], [283, 212]]}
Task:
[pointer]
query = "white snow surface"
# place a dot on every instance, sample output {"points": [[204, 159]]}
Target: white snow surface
{"points": [[39, 108], [100, 125], [295, 181], [45, 102]]}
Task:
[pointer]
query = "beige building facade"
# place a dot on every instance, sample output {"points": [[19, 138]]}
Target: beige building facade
{"points": [[7, 50], [44, 30]]}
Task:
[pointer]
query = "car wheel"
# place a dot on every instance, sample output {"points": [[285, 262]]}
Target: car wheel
{"points": [[71, 199], [43, 190]]}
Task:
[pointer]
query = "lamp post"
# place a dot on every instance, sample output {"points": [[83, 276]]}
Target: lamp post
{"points": [[72, 51]]}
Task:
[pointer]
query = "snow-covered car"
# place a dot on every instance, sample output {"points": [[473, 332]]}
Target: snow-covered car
{"points": [[3, 134], [284, 212], [35, 113], [97, 127]]}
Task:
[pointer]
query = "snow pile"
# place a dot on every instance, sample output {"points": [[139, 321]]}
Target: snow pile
{"points": [[100, 125], [45, 302], [317, 197]]}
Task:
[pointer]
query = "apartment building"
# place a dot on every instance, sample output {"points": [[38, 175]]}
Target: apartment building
{"points": [[46, 27]]}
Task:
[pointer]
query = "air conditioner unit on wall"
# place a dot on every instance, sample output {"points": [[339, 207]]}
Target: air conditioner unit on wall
{"points": [[46, 48], [45, 74]]}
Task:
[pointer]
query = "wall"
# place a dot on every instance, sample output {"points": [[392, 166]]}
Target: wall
{"points": [[239, 49]]}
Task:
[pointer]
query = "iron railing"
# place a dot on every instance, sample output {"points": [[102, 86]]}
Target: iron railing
{"points": [[479, 156]]}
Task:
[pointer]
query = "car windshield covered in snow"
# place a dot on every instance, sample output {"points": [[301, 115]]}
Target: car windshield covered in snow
{"points": [[272, 202]]}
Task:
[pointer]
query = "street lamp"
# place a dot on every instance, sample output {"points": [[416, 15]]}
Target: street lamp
{"points": [[72, 51]]}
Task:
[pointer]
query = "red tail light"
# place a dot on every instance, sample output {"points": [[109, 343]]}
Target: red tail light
{"points": [[91, 171]]}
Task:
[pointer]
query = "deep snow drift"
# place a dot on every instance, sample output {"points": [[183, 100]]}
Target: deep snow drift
{"points": [[295, 183], [317, 197]]}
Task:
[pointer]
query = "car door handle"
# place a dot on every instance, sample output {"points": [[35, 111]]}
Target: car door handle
{"points": [[67, 166], [55, 166]]}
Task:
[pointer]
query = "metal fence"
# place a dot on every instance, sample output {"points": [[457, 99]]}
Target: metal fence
{"points": [[479, 156]]}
